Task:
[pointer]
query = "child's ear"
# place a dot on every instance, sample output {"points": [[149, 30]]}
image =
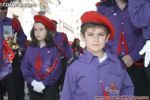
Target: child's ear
{"points": [[107, 38], [82, 37]]}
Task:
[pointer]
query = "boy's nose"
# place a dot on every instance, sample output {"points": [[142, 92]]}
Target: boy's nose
{"points": [[95, 38]]}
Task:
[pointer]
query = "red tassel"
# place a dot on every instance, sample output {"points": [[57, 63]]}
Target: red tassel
{"points": [[105, 93], [106, 96], [38, 63]]}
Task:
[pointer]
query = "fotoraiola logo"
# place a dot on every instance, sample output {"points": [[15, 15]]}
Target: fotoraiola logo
{"points": [[6, 3]]}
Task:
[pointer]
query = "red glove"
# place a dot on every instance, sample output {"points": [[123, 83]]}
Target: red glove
{"points": [[16, 25]]}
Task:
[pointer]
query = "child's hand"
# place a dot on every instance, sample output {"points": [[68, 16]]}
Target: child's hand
{"points": [[128, 61], [38, 86]]}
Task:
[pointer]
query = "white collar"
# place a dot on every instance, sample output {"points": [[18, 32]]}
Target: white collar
{"points": [[103, 58]]}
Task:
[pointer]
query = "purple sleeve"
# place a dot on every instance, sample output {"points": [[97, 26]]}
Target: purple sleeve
{"points": [[62, 46], [139, 12], [139, 45], [26, 67], [68, 49], [69, 85], [55, 75], [22, 38], [1, 41], [127, 85]]}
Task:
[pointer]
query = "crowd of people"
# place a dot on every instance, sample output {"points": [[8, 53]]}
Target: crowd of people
{"points": [[114, 62]]}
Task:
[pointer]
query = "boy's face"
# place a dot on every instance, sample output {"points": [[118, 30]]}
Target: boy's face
{"points": [[40, 31], [95, 39]]}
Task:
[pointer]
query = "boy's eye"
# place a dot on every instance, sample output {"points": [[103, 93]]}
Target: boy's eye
{"points": [[90, 34], [101, 34]]}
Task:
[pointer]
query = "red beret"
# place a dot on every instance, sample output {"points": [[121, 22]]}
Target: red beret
{"points": [[94, 16], [54, 21], [46, 21]]}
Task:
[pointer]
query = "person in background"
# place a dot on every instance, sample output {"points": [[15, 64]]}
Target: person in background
{"points": [[77, 49], [41, 66], [139, 13], [14, 38], [127, 43], [96, 72], [62, 44]]}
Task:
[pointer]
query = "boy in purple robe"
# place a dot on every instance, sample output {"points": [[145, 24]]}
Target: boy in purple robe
{"points": [[97, 72]]}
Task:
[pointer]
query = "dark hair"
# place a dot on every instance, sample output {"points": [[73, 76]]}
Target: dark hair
{"points": [[48, 39], [92, 25], [110, 2]]}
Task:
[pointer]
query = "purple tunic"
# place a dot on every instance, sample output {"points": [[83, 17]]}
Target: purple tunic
{"points": [[48, 56], [140, 15], [64, 47], [5, 69], [83, 77], [122, 23], [6, 24]]}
